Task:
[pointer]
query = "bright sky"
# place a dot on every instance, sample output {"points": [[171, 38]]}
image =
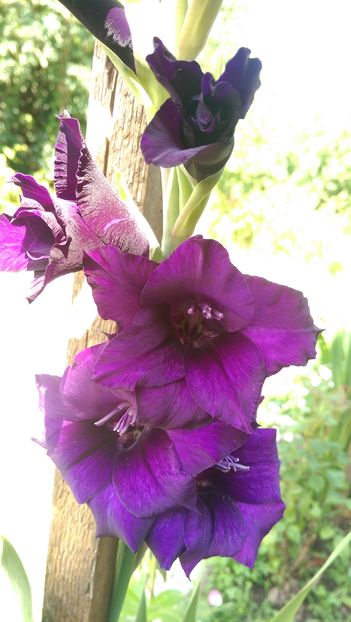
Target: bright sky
{"points": [[305, 47]]}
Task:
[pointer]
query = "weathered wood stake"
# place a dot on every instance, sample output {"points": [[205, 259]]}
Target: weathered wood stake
{"points": [[80, 567]]}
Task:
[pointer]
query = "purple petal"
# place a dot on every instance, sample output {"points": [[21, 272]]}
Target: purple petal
{"points": [[168, 406], [148, 477], [243, 73], [13, 256], [50, 404], [281, 327], [117, 280], [161, 142], [84, 398], [144, 353], [83, 453], [68, 146], [226, 379], [166, 537], [112, 519], [217, 529], [85, 456], [106, 20], [33, 191], [182, 79], [260, 520], [261, 483], [104, 213], [209, 443], [200, 270]]}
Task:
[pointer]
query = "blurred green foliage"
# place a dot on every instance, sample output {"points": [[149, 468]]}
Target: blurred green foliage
{"points": [[45, 57]]}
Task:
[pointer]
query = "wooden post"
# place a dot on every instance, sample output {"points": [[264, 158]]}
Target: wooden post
{"points": [[80, 567]]}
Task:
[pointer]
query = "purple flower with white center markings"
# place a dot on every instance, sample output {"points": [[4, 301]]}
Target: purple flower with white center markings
{"points": [[195, 127], [106, 20], [49, 234], [195, 331], [236, 507], [125, 465]]}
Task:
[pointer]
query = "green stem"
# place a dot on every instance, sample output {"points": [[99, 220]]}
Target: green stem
{"points": [[170, 196]]}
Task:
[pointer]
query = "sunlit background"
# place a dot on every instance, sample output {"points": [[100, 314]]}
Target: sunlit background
{"points": [[283, 209]]}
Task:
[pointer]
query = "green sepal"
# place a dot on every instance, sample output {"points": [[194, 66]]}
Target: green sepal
{"points": [[190, 213]]}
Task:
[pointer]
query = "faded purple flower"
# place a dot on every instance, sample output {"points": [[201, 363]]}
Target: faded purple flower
{"points": [[238, 502], [196, 332], [195, 126], [106, 20], [117, 458], [49, 234]]}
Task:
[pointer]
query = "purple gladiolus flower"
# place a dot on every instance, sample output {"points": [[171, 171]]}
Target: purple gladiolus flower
{"points": [[106, 20], [49, 234], [238, 502], [116, 458], [195, 126], [195, 332]]}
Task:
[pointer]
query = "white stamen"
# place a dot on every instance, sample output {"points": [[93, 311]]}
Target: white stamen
{"points": [[191, 310], [231, 464], [107, 417]]}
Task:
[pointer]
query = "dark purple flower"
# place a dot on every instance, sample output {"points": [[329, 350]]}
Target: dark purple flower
{"points": [[106, 20], [121, 461], [195, 126], [238, 502], [49, 234], [196, 332]]}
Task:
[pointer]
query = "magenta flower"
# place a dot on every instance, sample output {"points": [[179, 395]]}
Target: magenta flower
{"points": [[195, 126], [106, 20], [238, 502], [49, 234], [116, 457], [195, 331]]}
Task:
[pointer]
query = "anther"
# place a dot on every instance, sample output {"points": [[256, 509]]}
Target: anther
{"points": [[231, 464]]}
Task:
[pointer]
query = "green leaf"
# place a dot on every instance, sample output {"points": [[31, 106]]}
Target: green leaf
{"points": [[125, 565], [190, 614], [288, 612], [16, 599], [141, 615]]}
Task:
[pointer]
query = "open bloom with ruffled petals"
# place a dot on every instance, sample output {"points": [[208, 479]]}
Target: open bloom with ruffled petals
{"points": [[238, 502], [196, 331], [106, 20], [195, 126], [127, 466], [49, 234]]}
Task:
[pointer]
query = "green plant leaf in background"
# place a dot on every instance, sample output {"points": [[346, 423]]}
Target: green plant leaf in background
{"points": [[190, 614], [141, 615], [288, 612], [125, 565], [16, 596]]}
